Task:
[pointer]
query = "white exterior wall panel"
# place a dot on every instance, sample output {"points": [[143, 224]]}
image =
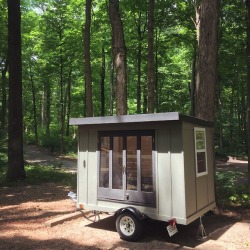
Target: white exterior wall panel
{"points": [[190, 168], [82, 172], [177, 173], [164, 182], [92, 168]]}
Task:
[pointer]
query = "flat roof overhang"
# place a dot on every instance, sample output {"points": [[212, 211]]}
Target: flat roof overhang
{"points": [[139, 118]]}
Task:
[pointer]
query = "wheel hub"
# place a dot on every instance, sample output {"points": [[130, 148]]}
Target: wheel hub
{"points": [[127, 225]]}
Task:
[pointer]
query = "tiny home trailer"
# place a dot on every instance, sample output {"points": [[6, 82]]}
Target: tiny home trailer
{"points": [[149, 165]]}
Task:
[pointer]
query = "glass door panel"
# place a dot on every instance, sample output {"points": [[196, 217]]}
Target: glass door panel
{"points": [[117, 163], [146, 164], [131, 163], [104, 162], [126, 167]]}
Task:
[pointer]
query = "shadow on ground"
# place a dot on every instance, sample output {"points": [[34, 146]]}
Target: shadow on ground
{"points": [[215, 225]]}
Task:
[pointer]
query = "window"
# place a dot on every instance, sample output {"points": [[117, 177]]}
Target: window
{"points": [[200, 151], [104, 162], [126, 166]]}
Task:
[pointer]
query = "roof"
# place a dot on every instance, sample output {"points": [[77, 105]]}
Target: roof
{"points": [[139, 118]]}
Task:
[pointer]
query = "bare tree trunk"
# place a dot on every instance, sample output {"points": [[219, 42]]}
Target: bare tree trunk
{"points": [[119, 57], [193, 79], [42, 109], [141, 28], [156, 73], [62, 103], [112, 91], [68, 93], [88, 80], [248, 85], [34, 104], [207, 60], [47, 91], [151, 69], [4, 98], [196, 22], [139, 56], [145, 100], [102, 84], [15, 169]]}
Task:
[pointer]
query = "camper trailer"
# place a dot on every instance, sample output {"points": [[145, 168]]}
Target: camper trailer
{"points": [[149, 165]]}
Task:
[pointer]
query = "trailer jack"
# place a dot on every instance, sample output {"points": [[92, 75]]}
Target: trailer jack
{"points": [[201, 234]]}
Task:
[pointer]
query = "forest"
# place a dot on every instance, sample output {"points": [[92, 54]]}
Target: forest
{"points": [[67, 49]]}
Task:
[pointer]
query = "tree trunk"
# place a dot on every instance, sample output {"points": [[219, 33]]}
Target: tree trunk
{"points": [[112, 91], [151, 70], [141, 28], [207, 60], [119, 57], [62, 103], [88, 81], [193, 79], [34, 104], [248, 85], [15, 169], [4, 99], [196, 22], [139, 56], [156, 72], [102, 84], [47, 91], [68, 93]]}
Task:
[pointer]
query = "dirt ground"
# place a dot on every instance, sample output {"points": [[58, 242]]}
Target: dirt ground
{"points": [[24, 211]]}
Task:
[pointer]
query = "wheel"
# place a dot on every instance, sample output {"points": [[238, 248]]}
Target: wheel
{"points": [[128, 227]]}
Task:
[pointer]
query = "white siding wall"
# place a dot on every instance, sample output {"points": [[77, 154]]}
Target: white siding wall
{"points": [[177, 170], [190, 168], [92, 168], [163, 173], [82, 175]]}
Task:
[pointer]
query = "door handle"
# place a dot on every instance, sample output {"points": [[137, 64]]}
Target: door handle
{"points": [[123, 169], [84, 163]]}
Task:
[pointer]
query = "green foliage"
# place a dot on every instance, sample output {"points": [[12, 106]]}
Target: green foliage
{"points": [[42, 174], [230, 192], [52, 53]]}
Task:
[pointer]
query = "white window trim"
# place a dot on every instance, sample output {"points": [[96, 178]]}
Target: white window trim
{"points": [[200, 150]]}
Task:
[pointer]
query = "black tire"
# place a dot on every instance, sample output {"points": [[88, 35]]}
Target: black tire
{"points": [[128, 227]]}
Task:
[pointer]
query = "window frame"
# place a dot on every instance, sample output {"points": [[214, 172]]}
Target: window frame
{"points": [[203, 150], [138, 196]]}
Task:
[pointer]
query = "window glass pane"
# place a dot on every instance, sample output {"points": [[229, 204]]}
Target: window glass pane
{"points": [[146, 164], [104, 162], [201, 162], [117, 163], [131, 163], [200, 140]]}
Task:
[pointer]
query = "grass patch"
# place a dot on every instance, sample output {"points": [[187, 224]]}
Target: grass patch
{"points": [[36, 174], [229, 191]]}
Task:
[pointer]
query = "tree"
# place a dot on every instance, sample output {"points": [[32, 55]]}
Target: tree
{"points": [[88, 81], [196, 22], [248, 85], [102, 76], [207, 61], [119, 57], [3, 67], [151, 68], [15, 127]]}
